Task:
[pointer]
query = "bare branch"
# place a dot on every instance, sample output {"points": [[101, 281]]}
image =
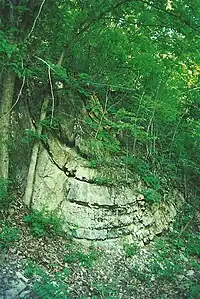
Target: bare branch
{"points": [[52, 95], [17, 100], [34, 23], [44, 61]]}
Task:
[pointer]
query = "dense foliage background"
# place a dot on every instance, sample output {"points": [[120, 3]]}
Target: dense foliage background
{"points": [[121, 77], [117, 81]]}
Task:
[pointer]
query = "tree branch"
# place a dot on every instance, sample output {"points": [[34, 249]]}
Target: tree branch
{"points": [[34, 23], [170, 13], [17, 100], [52, 95]]}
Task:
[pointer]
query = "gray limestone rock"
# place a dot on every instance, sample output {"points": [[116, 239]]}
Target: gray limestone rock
{"points": [[98, 212]]}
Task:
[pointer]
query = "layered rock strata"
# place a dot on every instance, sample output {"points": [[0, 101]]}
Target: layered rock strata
{"points": [[64, 183]]}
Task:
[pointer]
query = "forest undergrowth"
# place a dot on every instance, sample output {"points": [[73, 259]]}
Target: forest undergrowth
{"points": [[58, 267]]}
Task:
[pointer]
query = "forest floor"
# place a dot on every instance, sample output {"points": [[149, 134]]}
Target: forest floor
{"points": [[38, 261]]}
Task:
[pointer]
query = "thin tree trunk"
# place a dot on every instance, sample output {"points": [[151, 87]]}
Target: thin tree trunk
{"points": [[5, 112], [34, 157]]}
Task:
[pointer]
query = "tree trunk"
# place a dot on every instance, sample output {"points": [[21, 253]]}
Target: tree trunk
{"points": [[34, 157], [5, 111]]}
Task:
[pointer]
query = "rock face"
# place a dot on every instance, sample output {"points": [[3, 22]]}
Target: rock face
{"points": [[13, 282], [64, 183]]}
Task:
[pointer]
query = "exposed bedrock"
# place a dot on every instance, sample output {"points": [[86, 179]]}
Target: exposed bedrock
{"points": [[65, 183]]}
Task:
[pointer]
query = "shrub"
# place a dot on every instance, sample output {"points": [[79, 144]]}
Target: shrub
{"points": [[78, 256], [152, 196], [103, 181], [44, 223], [8, 235], [105, 291], [5, 197], [166, 268], [130, 249], [47, 286]]}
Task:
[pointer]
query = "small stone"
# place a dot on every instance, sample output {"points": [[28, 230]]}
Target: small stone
{"points": [[12, 293], [11, 211], [181, 277], [140, 197], [21, 276], [21, 286], [17, 289], [190, 273], [24, 294]]}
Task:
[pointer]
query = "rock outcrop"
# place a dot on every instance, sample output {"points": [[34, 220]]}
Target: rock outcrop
{"points": [[64, 183]]}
